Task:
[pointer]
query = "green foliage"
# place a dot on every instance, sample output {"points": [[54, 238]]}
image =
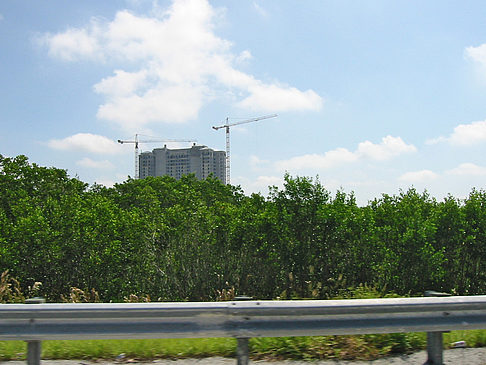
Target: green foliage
{"points": [[179, 240], [405, 231], [165, 239]]}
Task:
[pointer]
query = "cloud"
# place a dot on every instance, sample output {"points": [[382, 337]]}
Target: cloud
{"points": [[75, 44], [258, 164], [272, 97], [477, 54], [259, 9], [106, 182], [169, 65], [174, 103], [259, 184], [418, 176], [468, 169], [388, 148], [87, 142], [432, 141], [89, 163], [244, 56], [266, 181], [123, 83], [1, 17], [316, 161], [464, 135]]}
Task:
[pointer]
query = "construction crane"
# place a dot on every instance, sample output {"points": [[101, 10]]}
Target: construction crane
{"points": [[136, 141], [227, 125]]}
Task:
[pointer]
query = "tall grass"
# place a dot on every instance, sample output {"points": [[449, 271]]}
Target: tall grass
{"points": [[136, 349], [362, 347]]}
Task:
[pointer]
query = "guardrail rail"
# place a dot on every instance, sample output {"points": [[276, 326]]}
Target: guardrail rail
{"points": [[240, 319]]}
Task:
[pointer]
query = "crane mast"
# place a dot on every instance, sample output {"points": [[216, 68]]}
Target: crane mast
{"points": [[136, 141], [227, 126]]}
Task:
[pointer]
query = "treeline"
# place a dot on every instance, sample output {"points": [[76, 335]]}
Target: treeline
{"points": [[202, 240]]}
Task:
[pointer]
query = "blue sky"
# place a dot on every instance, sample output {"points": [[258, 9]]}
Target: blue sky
{"points": [[371, 96]]}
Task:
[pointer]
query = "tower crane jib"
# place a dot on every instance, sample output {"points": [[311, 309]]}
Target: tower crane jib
{"points": [[227, 126]]}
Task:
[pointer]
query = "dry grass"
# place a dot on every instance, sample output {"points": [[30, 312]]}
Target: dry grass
{"points": [[10, 289]]}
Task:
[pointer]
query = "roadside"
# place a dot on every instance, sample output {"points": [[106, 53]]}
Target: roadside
{"points": [[460, 356]]}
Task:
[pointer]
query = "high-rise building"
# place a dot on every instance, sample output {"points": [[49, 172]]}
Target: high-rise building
{"points": [[201, 161]]}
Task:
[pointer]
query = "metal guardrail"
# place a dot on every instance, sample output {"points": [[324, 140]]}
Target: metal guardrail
{"points": [[245, 319]]}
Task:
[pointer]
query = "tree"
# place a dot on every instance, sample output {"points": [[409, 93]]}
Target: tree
{"points": [[405, 235]]}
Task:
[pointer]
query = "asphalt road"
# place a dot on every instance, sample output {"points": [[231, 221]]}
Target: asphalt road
{"points": [[461, 356]]}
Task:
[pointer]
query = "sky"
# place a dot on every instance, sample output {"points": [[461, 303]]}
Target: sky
{"points": [[372, 97]]}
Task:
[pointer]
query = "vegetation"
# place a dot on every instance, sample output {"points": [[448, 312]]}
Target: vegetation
{"points": [[190, 240], [363, 347], [164, 239]]}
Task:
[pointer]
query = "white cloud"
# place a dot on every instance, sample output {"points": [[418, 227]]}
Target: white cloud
{"points": [[318, 162], [272, 97], [106, 182], [169, 65], [432, 141], [388, 148], [244, 56], [87, 142], [258, 164], [477, 54], [112, 180], [175, 104], [266, 181], [75, 44], [123, 83], [259, 184], [464, 135], [92, 164], [418, 176], [259, 9], [1, 17], [468, 169]]}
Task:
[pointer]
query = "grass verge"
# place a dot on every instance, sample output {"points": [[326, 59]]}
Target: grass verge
{"points": [[363, 347]]}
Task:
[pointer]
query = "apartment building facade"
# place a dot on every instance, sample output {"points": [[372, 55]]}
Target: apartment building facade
{"points": [[201, 161]]}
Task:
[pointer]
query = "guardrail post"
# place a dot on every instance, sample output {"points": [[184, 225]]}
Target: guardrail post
{"points": [[242, 349], [435, 343], [242, 355], [34, 348]]}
